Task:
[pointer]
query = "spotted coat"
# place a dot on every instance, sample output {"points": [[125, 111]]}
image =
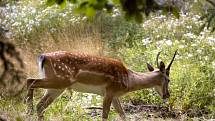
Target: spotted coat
{"points": [[66, 65]]}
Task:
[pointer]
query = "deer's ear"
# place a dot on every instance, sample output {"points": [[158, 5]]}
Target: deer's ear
{"points": [[162, 66], [150, 68]]}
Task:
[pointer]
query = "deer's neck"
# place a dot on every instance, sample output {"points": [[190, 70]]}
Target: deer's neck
{"points": [[139, 81]]}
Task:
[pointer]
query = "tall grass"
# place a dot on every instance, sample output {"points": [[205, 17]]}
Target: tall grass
{"points": [[192, 76], [37, 30]]}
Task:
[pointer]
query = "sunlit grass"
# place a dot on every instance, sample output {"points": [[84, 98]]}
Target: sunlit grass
{"points": [[39, 30]]}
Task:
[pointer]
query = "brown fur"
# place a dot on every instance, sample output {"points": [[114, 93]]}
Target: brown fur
{"points": [[71, 63], [92, 74]]}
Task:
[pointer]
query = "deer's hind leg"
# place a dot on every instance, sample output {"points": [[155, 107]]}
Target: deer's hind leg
{"points": [[39, 83], [118, 108], [29, 97], [31, 84], [29, 101], [49, 96]]}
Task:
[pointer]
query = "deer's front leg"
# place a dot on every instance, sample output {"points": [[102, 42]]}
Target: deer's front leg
{"points": [[106, 106], [118, 108]]}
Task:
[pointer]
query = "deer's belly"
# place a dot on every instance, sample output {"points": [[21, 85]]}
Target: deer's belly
{"points": [[86, 88]]}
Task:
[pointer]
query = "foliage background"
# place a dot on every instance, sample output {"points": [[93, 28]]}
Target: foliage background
{"points": [[37, 29]]}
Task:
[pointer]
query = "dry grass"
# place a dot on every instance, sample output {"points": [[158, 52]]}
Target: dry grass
{"points": [[70, 39], [82, 39]]}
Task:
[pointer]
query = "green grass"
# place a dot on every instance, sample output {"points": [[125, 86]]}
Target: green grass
{"points": [[192, 74]]}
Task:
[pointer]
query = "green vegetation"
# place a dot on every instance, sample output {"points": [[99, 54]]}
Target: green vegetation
{"points": [[37, 29], [132, 9]]}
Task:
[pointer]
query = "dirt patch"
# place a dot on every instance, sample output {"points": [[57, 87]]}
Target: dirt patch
{"points": [[150, 111], [161, 111]]}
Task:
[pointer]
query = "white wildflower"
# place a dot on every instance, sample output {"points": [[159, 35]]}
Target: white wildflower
{"points": [[168, 42], [199, 51], [190, 55], [181, 46], [64, 14], [31, 22], [116, 13], [89, 97], [206, 58], [190, 35], [33, 11], [213, 65], [146, 41], [16, 24], [189, 27], [201, 37], [194, 45], [84, 18], [53, 29], [211, 40]]}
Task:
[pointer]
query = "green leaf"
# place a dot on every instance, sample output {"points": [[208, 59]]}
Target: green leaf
{"points": [[50, 2], [59, 2], [175, 12], [73, 1], [116, 1], [83, 4], [164, 11], [139, 17], [18, 119], [81, 8], [203, 16], [128, 16], [213, 29], [63, 4], [209, 20], [92, 1], [90, 12], [100, 5], [77, 10]]}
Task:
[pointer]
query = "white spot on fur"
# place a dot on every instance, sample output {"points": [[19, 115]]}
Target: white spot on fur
{"points": [[66, 67], [67, 76]]}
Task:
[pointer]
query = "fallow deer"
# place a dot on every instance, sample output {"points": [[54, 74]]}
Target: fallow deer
{"points": [[92, 74]]}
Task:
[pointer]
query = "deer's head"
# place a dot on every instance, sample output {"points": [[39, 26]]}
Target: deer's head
{"points": [[163, 77]]}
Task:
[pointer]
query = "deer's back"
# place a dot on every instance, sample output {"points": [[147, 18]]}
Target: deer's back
{"points": [[68, 66]]}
